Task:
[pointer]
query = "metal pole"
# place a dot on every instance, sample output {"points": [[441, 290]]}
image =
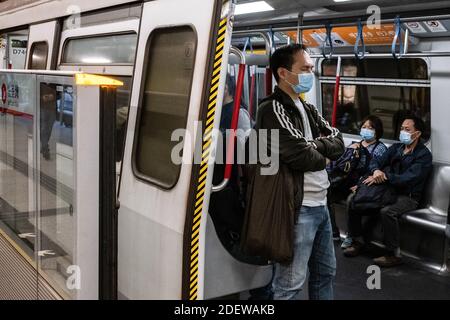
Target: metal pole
{"points": [[299, 31], [238, 53], [336, 93], [346, 24]]}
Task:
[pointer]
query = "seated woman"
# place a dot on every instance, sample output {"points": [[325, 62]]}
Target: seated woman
{"points": [[354, 164]]}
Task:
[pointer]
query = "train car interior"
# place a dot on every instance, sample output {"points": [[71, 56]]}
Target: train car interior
{"points": [[178, 226], [374, 79]]}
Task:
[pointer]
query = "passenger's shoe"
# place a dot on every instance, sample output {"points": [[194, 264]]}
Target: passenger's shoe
{"points": [[354, 250], [45, 153], [347, 243], [336, 235], [388, 261]]}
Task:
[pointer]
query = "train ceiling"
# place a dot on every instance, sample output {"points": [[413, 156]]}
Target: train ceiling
{"points": [[286, 11]]}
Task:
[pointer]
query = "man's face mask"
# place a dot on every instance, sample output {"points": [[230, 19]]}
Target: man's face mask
{"points": [[305, 82], [406, 138]]}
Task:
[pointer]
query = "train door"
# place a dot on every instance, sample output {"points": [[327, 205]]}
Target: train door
{"points": [[168, 90], [42, 46], [168, 246]]}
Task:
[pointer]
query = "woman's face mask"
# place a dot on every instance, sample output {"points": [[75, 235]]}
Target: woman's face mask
{"points": [[367, 134], [305, 82]]}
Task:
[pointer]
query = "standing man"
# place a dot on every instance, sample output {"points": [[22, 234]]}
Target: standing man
{"points": [[48, 116], [306, 144]]}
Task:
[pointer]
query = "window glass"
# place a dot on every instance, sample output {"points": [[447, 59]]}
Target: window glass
{"points": [[165, 102], [39, 56], [378, 68], [100, 50], [389, 103]]}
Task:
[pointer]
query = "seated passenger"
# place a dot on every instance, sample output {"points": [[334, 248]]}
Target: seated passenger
{"points": [[227, 206], [354, 164], [405, 167], [244, 122]]}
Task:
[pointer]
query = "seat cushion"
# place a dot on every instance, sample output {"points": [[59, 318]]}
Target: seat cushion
{"points": [[426, 219]]}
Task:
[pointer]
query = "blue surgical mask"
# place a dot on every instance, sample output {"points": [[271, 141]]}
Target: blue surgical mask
{"points": [[367, 134], [405, 138], [305, 82]]}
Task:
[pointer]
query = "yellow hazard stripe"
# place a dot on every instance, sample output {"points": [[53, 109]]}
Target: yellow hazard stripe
{"points": [[212, 101]]}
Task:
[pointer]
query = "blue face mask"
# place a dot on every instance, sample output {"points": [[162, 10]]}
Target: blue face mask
{"points": [[305, 82], [405, 138], [367, 134]]}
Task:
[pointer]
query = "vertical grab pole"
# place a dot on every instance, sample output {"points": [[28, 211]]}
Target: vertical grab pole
{"points": [[269, 83], [234, 122], [252, 90], [336, 92]]}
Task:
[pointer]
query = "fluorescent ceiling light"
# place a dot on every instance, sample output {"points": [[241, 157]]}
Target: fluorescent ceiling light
{"points": [[342, 0], [252, 7], [96, 60]]}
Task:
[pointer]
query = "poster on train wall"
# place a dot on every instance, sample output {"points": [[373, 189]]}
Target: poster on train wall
{"points": [[2, 53], [18, 93], [346, 36]]}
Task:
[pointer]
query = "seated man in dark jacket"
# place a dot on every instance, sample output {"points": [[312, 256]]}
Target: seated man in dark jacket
{"points": [[405, 166]]}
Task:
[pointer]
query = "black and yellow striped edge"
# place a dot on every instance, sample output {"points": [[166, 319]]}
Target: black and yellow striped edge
{"points": [[203, 171]]}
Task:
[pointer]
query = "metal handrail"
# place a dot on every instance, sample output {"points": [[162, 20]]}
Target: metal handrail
{"points": [[346, 24], [234, 122], [389, 55], [238, 53], [263, 35]]}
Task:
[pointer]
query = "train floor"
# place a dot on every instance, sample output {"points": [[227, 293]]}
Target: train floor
{"points": [[405, 282]]}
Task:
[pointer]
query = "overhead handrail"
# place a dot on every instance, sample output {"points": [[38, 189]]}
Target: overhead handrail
{"points": [[360, 39], [398, 38], [263, 35], [234, 122], [238, 53], [329, 41], [345, 24], [425, 54]]}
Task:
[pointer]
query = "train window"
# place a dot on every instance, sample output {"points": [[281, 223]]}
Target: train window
{"points": [[38, 56], [387, 99], [101, 50], [379, 68], [122, 111], [165, 96], [13, 49]]}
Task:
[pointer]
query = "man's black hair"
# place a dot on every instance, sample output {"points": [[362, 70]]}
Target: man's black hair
{"points": [[231, 85], [419, 124], [284, 58]]}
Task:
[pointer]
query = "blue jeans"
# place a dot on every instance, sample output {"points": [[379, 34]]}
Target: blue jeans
{"points": [[313, 249]]}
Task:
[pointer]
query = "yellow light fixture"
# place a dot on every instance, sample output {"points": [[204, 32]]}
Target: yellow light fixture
{"points": [[83, 79]]}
